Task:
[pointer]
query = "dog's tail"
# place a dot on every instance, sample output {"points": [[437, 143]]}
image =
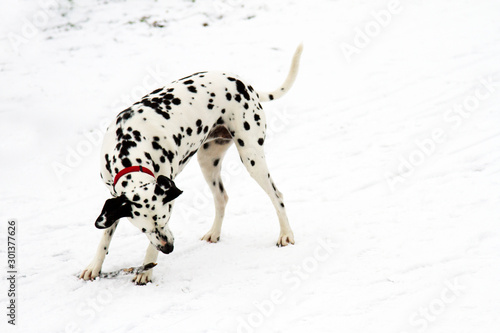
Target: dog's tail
{"points": [[290, 79]]}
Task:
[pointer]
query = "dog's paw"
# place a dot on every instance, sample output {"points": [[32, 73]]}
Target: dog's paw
{"points": [[285, 239], [211, 236], [143, 278], [91, 272]]}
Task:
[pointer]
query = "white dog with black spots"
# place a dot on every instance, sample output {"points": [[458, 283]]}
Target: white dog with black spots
{"points": [[150, 143]]}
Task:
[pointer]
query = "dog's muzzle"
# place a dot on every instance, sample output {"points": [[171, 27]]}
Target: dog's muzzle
{"points": [[167, 248]]}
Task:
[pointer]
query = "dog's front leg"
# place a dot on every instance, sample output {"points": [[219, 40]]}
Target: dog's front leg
{"points": [[94, 268], [151, 256]]}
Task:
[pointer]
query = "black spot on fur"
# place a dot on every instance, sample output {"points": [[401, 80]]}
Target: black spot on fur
{"points": [[189, 131], [186, 159], [150, 103], [108, 163], [126, 162], [119, 133], [177, 139], [252, 162], [242, 89], [125, 146], [216, 162], [228, 96], [162, 113], [188, 82], [169, 154], [246, 125], [124, 115], [156, 145], [271, 97], [260, 141], [192, 89], [241, 142]]}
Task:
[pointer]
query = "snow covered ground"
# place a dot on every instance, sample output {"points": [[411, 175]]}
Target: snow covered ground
{"points": [[387, 151]]}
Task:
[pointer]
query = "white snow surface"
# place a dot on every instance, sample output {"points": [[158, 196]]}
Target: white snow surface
{"points": [[388, 158]]}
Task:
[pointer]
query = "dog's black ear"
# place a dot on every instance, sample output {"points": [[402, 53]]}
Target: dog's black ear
{"points": [[113, 210], [166, 188]]}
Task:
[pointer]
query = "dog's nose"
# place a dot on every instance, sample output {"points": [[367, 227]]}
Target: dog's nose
{"points": [[167, 248]]}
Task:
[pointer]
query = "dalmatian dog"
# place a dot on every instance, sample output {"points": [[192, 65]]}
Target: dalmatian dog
{"points": [[150, 143]]}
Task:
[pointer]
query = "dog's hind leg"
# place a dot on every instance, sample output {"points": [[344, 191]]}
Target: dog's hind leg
{"points": [[210, 157], [94, 268], [252, 155]]}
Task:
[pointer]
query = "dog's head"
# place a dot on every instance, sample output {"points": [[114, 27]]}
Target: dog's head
{"points": [[148, 207]]}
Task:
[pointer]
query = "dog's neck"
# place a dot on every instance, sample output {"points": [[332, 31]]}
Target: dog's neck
{"points": [[130, 181]]}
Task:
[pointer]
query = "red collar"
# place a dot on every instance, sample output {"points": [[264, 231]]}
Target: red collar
{"points": [[132, 169]]}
